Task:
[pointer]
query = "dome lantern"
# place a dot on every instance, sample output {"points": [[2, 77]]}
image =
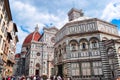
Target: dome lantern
{"points": [[37, 28]]}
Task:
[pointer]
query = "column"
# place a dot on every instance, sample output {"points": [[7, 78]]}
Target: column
{"points": [[116, 64], [105, 62]]}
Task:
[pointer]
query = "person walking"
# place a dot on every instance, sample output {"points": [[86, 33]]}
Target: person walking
{"points": [[59, 78], [28, 78], [34, 78], [13, 78], [3, 78], [38, 77], [23, 78]]}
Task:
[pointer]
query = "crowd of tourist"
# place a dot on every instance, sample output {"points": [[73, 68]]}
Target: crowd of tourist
{"points": [[31, 78]]}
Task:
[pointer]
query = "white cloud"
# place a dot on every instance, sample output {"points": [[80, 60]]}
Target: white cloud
{"points": [[21, 36], [112, 11], [28, 16]]}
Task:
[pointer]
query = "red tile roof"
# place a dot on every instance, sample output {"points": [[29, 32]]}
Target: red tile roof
{"points": [[33, 36]]}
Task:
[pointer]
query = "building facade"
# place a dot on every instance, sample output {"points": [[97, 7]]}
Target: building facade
{"points": [[10, 48], [87, 49], [16, 67], [7, 38], [37, 53], [49, 39]]}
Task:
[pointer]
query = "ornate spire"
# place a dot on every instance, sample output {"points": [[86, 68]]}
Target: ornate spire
{"points": [[37, 28]]}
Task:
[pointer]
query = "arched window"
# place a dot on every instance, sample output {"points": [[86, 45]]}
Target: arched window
{"points": [[59, 50], [60, 54], [94, 44], [73, 45], [83, 46]]}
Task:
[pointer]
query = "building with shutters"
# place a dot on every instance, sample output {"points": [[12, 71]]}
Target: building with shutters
{"points": [[8, 39], [16, 66], [87, 49]]}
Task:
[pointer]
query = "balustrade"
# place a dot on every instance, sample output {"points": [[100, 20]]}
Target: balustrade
{"points": [[81, 54], [77, 54]]}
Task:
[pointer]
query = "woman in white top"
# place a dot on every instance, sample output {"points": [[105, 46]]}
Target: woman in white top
{"points": [[34, 78], [28, 78]]}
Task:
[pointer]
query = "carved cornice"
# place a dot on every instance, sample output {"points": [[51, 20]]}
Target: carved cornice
{"points": [[86, 33]]}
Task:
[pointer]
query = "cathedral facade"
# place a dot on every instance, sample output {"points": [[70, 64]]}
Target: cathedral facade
{"points": [[87, 49], [36, 57]]}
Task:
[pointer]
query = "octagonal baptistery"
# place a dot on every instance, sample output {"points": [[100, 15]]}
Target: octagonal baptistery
{"points": [[81, 49]]}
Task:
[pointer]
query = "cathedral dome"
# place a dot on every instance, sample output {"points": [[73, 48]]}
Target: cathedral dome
{"points": [[35, 36]]}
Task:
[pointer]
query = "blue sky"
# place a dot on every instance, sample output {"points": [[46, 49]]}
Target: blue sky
{"points": [[28, 13]]}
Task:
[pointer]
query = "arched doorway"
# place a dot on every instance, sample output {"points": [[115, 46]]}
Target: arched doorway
{"points": [[60, 70], [37, 71]]}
